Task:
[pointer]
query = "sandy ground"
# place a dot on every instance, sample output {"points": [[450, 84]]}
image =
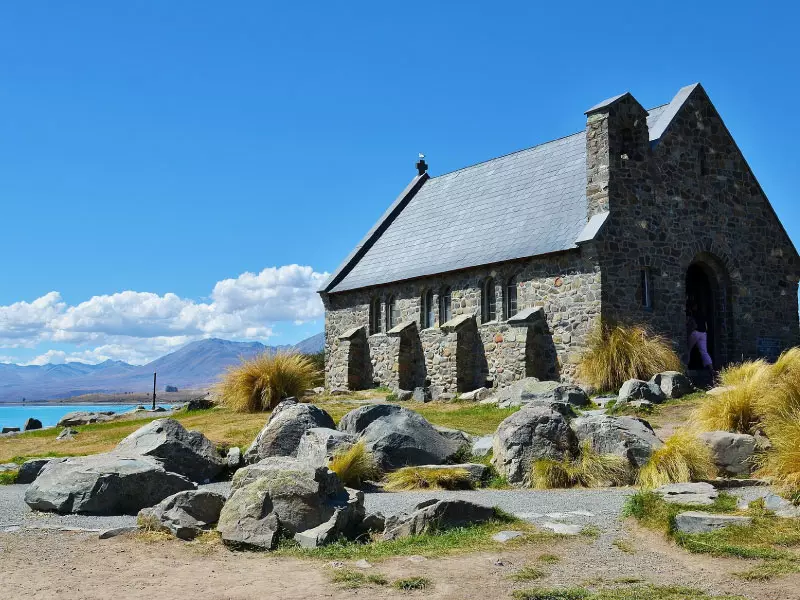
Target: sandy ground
{"points": [[44, 565]]}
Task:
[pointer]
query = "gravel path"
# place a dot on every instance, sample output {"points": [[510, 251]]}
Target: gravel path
{"points": [[576, 507]]}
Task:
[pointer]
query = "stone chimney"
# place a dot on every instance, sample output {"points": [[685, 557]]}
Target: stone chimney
{"points": [[616, 137]]}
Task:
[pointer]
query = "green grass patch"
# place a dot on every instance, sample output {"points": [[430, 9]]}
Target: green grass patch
{"points": [[624, 545], [549, 559], [638, 592], [351, 579], [480, 419], [768, 570], [8, 477], [409, 584], [528, 574]]}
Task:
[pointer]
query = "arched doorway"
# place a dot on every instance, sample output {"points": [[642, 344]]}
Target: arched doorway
{"points": [[706, 285]]}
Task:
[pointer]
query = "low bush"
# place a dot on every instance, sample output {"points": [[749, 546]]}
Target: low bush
{"points": [[421, 478], [616, 353], [412, 583], [355, 465], [682, 458], [589, 469], [782, 462], [260, 383], [731, 410], [744, 372]]}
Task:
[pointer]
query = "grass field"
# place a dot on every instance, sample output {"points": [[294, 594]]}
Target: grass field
{"points": [[227, 428]]}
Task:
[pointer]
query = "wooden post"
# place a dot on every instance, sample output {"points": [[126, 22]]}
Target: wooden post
{"points": [[154, 391]]}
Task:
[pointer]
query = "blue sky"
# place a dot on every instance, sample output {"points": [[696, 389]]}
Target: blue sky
{"points": [[182, 169]]}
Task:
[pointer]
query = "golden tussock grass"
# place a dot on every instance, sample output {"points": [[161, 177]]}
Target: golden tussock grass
{"points": [[682, 458], [732, 410], [420, 478], [616, 353], [782, 462], [589, 469], [355, 465], [260, 383]]}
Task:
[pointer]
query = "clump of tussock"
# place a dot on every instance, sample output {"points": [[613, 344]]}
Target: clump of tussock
{"points": [[589, 469], [731, 410], [745, 372], [782, 462], [260, 383], [355, 465], [682, 458], [421, 478], [616, 353]]}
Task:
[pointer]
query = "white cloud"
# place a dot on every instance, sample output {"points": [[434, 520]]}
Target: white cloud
{"points": [[139, 326]]}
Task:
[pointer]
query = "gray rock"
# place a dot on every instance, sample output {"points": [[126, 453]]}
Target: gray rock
{"points": [[422, 394], [703, 522], [116, 531], [732, 452], [103, 484], [9, 430], [284, 430], [506, 536], [462, 438], [436, 515], [636, 389], [405, 395], [285, 496], [628, 437], [532, 391], [67, 434], [483, 445], [476, 395], [82, 417], [561, 528], [604, 401], [373, 522], [233, 459], [781, 507], [673, 384], [692, 494], [30, 469], [762, 441], [404, 438], [362, 564], [319, 444], [188, 453], [185, 514], [530, 434], [32, 424], [9, 467], [356, 421], [345, 521]]}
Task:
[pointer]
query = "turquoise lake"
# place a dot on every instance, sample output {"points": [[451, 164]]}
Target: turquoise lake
{"points": [[15, 415]]}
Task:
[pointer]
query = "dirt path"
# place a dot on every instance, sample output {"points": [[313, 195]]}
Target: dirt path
{"points": [[45, 565]]}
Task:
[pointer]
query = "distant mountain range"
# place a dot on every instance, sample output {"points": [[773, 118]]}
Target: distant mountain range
{"points": [[196, 365]]}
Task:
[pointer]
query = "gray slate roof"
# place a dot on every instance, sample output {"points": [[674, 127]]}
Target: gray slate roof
{"points": [[523, 204]]}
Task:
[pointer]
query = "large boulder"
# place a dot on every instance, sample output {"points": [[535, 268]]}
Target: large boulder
{"points": [[32, 424], [545, 393], [530, 434], [673, 383], [103, 484], [628, 437], [30, 469], [185, 514], [283, 496], [319, 444], [732, 452], [284, 429], [398, 437], [82, 417], [188, 453], [636, 389], [703, 522], [435, 515]]}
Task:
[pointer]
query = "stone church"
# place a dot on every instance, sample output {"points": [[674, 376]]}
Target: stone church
{"points": [[499, 270]]}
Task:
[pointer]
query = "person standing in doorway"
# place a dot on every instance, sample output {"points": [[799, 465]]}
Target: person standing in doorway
{"points": [[697, 327]]}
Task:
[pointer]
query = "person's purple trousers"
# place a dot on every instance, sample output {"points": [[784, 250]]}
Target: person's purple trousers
{"points": [[700, 339]]}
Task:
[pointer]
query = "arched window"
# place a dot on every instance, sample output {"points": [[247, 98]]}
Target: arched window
{"points": [[444, 306], [427, 310], [488, 301], [374, 316], [392, 315], [511, 297]]}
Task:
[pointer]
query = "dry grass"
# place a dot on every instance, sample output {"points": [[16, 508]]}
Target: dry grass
{"points": [[590, 469], [782, 463], [732, 410], [616, 353], [261, 382], [420, 478], [682, 458], [355, 465], [745, 372]]}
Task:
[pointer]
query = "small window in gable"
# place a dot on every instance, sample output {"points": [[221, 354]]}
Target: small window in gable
{"points": [[444, 306], [374, 316], [647, 289], [428, 316], [489, 301], [702, 168]]}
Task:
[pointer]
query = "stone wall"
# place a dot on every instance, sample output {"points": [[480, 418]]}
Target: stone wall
{"points": [[566, 286], [692, 199]]}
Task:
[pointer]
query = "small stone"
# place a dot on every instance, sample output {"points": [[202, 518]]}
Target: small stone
{"points": [[336, 564], [415, 558], [504, 536], [362, 564], [405, 395], [67, 434], [561, 528], [703, 522], [692, 494], [111, 533], [482, 446]]}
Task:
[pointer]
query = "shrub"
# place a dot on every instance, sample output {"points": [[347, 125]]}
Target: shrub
{"points": [[745, 372], [731, 410], [421, 478], [779, 401], [355, 465], [589, 469], [616, 353], [782, 462], [261, 382], [682, 458]]}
